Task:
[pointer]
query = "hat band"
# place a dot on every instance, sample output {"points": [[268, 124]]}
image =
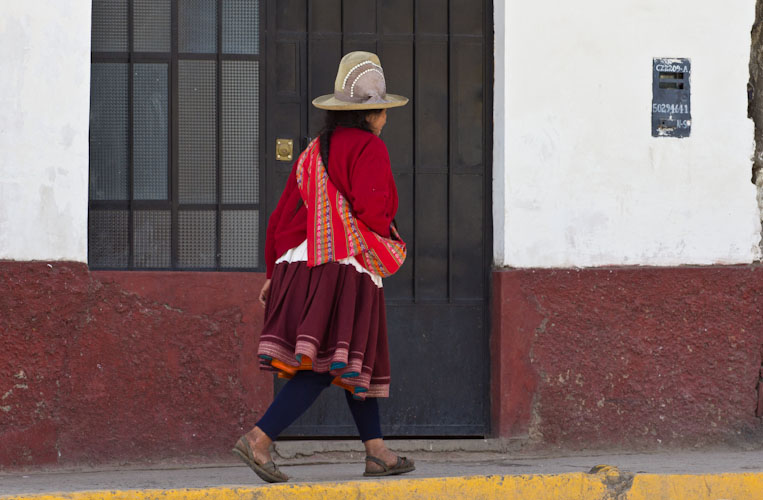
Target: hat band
{"points": [[344, 96]]}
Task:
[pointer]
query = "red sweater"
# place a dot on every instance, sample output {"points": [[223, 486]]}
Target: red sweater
{"points": [[359, 167]]}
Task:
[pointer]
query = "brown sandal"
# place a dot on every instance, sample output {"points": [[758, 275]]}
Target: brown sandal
{"points": [[402, 466], [268, 471]]}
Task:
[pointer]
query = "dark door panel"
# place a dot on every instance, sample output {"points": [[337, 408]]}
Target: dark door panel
{"points": [[401, 286], [439, 54], [438, 354]]}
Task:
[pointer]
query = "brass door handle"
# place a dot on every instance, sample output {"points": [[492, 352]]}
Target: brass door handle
{"points": [[284, 149]]}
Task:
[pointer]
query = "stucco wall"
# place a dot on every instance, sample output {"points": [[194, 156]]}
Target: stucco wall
{"points": [[115, 367], [44, 107], [579, 179], [636, 357]]}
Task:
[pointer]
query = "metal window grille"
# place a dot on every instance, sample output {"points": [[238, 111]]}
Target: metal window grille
{"points": [[175, 127]]}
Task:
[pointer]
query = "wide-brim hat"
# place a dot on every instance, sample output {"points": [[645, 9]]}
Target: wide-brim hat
{"points": [[359, 84]]}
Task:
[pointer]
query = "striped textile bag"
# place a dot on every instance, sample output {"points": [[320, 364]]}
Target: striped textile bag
{"points": [[335, 232]]}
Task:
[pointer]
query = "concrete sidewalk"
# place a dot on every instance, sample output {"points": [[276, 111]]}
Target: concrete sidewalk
{"points": [[444, 473]]}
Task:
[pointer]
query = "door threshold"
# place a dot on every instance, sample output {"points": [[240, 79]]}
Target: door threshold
{"points": [[294, 448]]}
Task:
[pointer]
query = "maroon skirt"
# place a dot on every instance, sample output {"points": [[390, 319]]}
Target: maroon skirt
{"points": [[329, 318]]}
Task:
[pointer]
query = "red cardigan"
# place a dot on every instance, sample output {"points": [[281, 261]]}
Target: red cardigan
{"points": [[359, 167]]}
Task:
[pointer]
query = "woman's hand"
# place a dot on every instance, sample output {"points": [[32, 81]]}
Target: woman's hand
{"points": [[264, 293]]}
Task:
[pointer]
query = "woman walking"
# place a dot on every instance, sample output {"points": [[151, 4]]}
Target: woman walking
{"points": [[329, 243]]}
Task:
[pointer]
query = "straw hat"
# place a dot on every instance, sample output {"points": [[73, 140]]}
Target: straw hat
{"points": [[359, 85]]}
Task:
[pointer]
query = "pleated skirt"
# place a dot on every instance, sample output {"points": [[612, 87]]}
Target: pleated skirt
{"points": [[329, 318]]}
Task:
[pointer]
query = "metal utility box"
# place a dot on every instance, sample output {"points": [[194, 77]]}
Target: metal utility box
{"points": [[671, 97]]}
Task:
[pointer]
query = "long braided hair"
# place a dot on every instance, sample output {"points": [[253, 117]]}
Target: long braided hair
{"points": [[347, 118]]}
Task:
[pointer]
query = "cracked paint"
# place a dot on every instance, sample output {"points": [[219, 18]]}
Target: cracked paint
{"points": [[624, 357], [108, 372]]}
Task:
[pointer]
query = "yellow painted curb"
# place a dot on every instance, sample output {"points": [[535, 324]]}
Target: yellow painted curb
{"points": [[740, 486], [573, 486]]}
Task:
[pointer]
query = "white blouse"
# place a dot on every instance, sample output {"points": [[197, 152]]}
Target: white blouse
{"points": [[299, 254]]}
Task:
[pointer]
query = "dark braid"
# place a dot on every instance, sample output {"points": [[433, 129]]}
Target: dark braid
{"points": [[334, 119]]}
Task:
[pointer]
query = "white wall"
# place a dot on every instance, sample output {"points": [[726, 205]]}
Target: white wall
{"points": [[44, 109], [500, 93], [579, 179]]}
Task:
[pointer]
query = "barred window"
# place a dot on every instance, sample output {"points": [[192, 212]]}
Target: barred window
{"points": [[174, 135]]}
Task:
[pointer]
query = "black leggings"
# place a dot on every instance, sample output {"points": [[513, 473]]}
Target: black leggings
{"points": [[301, 391]]}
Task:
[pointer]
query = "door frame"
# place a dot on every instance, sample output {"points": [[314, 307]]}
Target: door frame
{"points": [[268, 174]]}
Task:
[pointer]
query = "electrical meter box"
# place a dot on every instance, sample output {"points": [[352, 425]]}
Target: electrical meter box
{"points": [[671, 97]]}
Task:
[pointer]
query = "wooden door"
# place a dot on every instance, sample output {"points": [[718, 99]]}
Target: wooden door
{"points": [[439, 54]]}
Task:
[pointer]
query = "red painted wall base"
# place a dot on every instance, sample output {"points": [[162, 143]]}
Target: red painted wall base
{"points": [[143, 366], [637, 357], [126, 366]]}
